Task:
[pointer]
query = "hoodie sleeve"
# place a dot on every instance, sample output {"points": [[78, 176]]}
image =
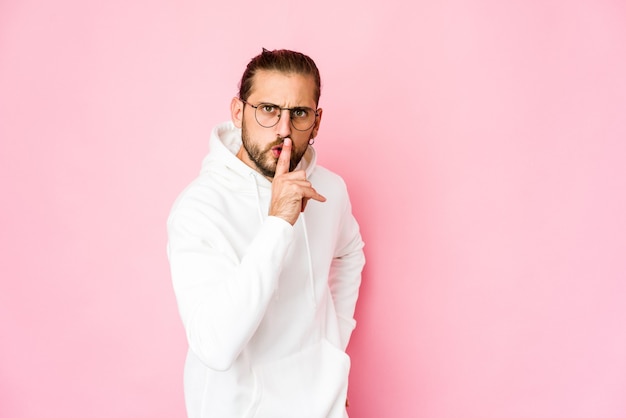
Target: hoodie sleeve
{"points": [[345, 273], [222, 298]]}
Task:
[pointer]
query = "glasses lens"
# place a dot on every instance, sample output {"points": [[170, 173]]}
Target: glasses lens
{"points": [[302, 118], [267, 114]]}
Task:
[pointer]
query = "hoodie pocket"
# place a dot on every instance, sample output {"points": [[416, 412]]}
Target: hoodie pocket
{"points": [[310, 384]]}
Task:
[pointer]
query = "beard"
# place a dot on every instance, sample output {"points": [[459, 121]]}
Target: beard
{"points": [[263, 159]]}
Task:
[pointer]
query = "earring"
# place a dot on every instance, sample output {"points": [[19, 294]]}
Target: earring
{"points": [[312, 140]]}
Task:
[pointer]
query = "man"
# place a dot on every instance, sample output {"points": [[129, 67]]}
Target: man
{"points": [[266, 257]]}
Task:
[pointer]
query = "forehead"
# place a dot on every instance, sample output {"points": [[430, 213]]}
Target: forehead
{"points": [[285, 89]]}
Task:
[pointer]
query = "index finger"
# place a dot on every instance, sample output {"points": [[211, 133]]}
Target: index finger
{"points": [[282, 165]]}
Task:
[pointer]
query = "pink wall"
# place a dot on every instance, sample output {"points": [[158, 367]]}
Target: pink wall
{"points": [[483, 143]]}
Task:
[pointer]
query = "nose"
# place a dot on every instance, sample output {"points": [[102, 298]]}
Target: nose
{"points": [[284, 124]]}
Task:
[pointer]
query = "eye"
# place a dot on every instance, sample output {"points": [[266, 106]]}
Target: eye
{"points": [[268, 108], [300, 112]]}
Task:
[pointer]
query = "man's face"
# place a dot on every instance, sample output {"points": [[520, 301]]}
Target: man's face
{"points": [[262, 146]]}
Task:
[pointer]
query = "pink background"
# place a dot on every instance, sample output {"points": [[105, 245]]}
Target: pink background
{"points": [[483, 143]]}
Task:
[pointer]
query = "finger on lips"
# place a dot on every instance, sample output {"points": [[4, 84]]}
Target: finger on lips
{"points": [[282, 166], [298, 177]]}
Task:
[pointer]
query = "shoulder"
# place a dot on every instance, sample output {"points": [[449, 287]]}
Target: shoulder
{"points": [[331, 185], [201, 197], [326, 178]]}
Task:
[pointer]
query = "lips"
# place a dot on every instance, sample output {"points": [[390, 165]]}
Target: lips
{"points": [[276, 150]]}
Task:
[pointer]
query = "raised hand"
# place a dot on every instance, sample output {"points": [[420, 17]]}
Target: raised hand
{"points": [[290, 190]]}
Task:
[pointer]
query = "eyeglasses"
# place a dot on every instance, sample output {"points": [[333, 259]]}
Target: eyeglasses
{"points": [[268, 115]]}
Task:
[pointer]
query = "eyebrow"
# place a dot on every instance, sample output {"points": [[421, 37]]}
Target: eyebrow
{"points": [[286, 108]]}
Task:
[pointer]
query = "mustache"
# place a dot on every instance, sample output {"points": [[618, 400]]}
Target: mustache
{"points": [[279, 141]]}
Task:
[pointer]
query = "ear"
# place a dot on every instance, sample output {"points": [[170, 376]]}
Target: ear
{"points": [[318, 120], [236, 111]]}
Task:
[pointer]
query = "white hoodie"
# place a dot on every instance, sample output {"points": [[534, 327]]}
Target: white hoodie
{"points": [[267, 307]]}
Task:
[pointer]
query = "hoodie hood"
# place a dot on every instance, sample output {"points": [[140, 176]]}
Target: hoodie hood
{"points": [[223, 163]]}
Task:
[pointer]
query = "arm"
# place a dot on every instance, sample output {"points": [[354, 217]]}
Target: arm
{"points": [[345, 274], [222, 299]]}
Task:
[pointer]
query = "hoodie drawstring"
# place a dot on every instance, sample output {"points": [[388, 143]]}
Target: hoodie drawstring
{"points": [[308, 253], [258, 196], [261, 217]]}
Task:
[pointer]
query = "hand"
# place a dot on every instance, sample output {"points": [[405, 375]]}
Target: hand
{"points": [[290, 190]]}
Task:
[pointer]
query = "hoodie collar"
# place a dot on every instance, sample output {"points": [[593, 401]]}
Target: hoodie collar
{"points": [[222, 159]]}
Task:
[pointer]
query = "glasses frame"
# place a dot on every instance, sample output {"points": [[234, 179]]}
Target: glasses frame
{"points": [[290, 109]]}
